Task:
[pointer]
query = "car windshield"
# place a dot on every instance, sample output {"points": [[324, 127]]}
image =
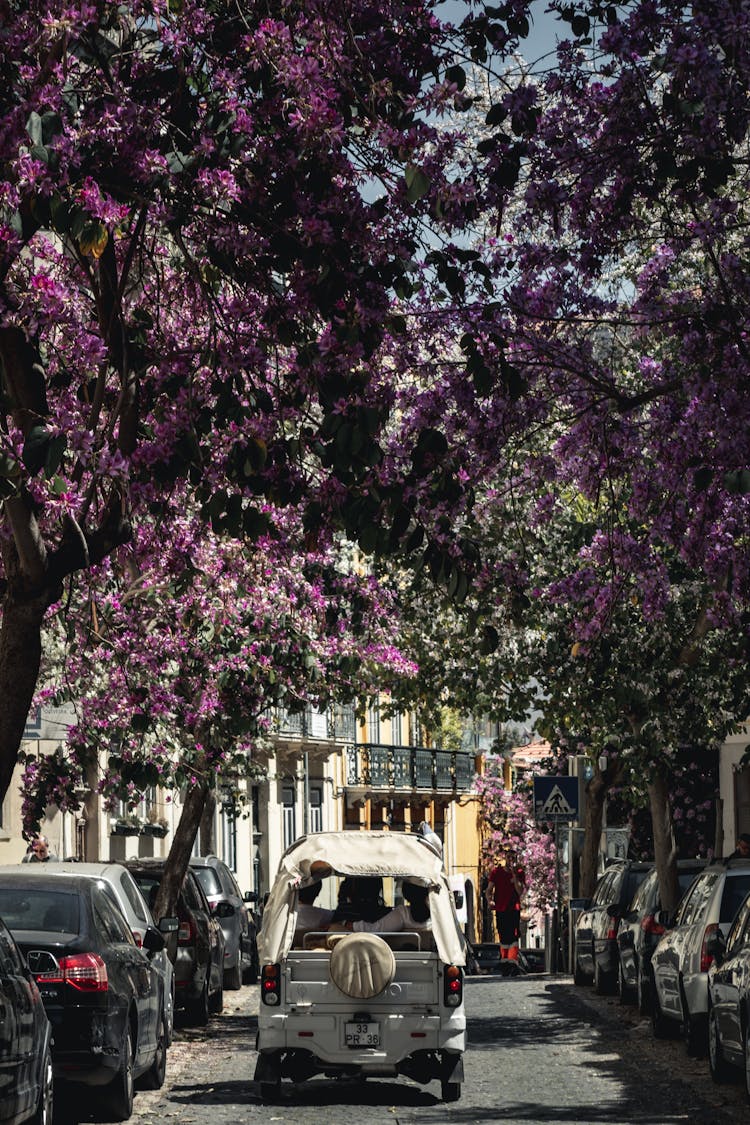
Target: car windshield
{"points": [[208, 879], [42, 910]]}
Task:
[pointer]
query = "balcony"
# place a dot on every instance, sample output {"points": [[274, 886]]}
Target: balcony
{"points": [[338, 724], [379, 767]]}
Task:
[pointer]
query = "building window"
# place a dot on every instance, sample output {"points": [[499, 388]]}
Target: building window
{"points": [[289, 815], [316, 808], [373, 723]]}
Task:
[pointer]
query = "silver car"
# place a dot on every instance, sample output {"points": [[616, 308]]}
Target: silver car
{"points": [[681, 960], [229, 907], [121, 885]]}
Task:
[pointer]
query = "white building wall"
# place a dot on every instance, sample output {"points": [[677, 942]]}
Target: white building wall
{"points": [[729, 759]]}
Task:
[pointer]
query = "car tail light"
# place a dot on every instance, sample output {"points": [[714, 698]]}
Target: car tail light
{"points": [[707, 959], [84, 971], [649, 925], [270, 985], [453, 986], [186, 932], [612, 931], [138, 938]]}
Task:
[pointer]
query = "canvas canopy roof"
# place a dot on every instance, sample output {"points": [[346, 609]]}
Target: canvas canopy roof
{"points": [[385, 854]]}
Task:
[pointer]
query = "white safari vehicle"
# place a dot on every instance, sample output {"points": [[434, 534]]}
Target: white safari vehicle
{"points": [[356, 1003]]}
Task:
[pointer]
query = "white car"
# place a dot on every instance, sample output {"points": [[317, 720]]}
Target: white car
{"points": [[118, 882], [361, 1003]]}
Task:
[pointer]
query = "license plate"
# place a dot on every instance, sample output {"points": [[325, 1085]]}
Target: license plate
{"points": [[362, 1034]]}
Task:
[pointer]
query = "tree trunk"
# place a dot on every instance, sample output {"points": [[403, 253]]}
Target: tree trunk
{"points": [[180, 852], [208, 821], [20, 655], [596, 791], [665, 847]]}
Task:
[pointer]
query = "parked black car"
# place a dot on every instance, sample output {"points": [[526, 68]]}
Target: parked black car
{"points": [[729, 999], [198, 953], [595, 953], [639, 932], [100, 991], [26, 1081], [238, 926]]}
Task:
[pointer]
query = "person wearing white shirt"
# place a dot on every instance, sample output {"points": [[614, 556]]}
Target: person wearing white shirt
{"points": [[310, 917]]}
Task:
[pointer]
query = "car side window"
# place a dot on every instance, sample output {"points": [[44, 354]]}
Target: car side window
{"points": [[602, 893], [134, 897], [685, 911], [700, 897], [738, 933], [111, 922], [192, 894], [641, 897]]}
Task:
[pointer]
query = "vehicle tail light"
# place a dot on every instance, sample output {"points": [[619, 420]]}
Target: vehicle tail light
{"points": [[649, 925], [707, 959], [270, 985], [83, 971], [453, 986], [612, 931], [138, 938], [186, 932]]}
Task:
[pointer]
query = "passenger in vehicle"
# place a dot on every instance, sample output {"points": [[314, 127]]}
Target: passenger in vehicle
{"points": [[360, 900], [414, 914], [309, 916]]}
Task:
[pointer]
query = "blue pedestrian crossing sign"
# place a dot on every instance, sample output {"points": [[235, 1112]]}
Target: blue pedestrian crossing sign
{"points": [[555, 799]]}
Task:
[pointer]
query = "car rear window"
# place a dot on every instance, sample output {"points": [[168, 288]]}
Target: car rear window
{"points": [[736, 888], [208, 879], [56, 912], [148, 885]]}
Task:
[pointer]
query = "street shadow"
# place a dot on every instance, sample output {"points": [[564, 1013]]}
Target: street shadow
{"points": [[315, 1092]]}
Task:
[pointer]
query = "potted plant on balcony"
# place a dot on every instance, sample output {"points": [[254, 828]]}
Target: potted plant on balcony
{"points": [[128, 825], [155, 825]]}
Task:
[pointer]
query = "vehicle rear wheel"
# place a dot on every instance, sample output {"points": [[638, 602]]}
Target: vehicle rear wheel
{"points": [[44, 1109], [154, 1077], [693, 1030], [117, 1097], [579, 977], [623, 991], [643, 994], [602, 981], [716, 1061], [450, 1091], [197, 1010], [659, 1022], [216, 1001], [233, 977]]}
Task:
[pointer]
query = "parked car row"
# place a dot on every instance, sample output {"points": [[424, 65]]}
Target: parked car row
{"points": [[89, 985], [691, 969]]}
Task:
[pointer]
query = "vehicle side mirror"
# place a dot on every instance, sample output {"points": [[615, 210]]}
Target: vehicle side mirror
{"points": [[169, 925], [40, 961], [224, 910], [153, 941], [614, 910], [250, 896]]}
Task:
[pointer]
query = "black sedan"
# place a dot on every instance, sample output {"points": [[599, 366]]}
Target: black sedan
{"points": [[595, 953], [100, 991], [25, 1042]]}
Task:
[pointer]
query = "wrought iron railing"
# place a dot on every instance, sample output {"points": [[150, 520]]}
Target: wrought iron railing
{"points": [[377, 766], [338, 724]]}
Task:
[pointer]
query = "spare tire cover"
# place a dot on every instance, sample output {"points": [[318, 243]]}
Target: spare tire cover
{"points": [[362, 965]]}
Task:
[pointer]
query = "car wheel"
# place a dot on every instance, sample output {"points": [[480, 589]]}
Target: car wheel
{"points": [[579, 977], [622, 989], [253, 972], [197, 1010], [216, 1002], [450, 1091], [233, 977], [170, 1017], [716, 1061], [154, 1077], [659, 1022], [693, 1030], [117, 1096], [747, 1058], [602, 981], [643, 993], [44, 1108]]}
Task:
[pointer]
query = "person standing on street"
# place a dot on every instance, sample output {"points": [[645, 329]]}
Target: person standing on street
{"points": [[505, 887]]}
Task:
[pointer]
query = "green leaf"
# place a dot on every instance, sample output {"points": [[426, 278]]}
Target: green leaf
{"points": [[490, 640], [457, 75], [417, 183], [34, 128], [35, 448], [496, 114], [55, 453]]}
